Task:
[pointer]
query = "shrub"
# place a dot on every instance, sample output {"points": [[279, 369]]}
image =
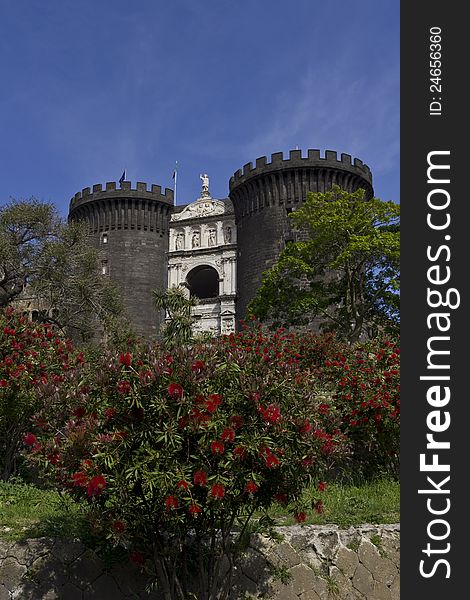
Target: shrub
{"points": [[32, 357]]}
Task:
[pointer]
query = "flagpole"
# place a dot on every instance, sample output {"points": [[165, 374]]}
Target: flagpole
{"points": [[175, 175]]}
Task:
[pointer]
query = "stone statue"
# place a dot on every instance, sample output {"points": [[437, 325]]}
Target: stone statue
{"points": [[196, 239], [205, 185], [211, 241], [179, 241], [228, 235]]}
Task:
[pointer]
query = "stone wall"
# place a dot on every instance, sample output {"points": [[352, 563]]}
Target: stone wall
{"points": [[310, 563]]}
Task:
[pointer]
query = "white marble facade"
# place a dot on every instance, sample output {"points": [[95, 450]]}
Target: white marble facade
{"points": [[202, 238]]}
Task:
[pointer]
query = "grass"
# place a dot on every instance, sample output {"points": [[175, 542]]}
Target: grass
{"points": [[29, 512]]}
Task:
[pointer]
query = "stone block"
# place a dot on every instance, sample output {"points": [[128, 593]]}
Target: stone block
{"points": [[72, 592], [363, 580], [67, 551], [380, 592], [347, 561], [104, 588], [395, 588], [284, 555], [85, 569], [11, 573], [382, 568]]}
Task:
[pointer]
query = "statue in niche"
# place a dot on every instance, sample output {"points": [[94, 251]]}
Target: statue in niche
{"points": [[205, 185], [212, 238], [228, 235], [180, 241], [196, 239]]}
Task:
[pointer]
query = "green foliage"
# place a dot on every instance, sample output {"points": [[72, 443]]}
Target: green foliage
{"points": [[346, 271], [177, 331], [43, 257]]}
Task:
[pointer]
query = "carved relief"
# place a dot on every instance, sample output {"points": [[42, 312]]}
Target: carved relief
{"points": [[211, 240], [195, 239], [179, 245]]}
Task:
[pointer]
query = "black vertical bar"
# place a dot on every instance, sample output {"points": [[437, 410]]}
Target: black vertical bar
{"points": [[435, 237]]}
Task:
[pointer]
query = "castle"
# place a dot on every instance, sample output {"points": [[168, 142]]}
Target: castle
{"points": [[216, 248]]}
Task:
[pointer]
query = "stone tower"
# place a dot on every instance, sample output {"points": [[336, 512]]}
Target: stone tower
{"points": [[130, 228], [264, 195]]}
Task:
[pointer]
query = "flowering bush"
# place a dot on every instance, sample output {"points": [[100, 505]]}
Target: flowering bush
{"points": [[32, 357], [176, 452]]}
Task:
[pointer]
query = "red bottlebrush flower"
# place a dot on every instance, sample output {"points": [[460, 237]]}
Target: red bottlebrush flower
{"points": [[327, 448], [281, 497], [239, 452], [3, 383], [124, 387], [217, 447], [137, 558], [79, 412], [194, 509], [197, 365], [171, 502], [271, 414], [29, 439], [251, 487], [218, 491], [54, 458], [228, 435], [307, 462], [377, 417], [213, 402], [236, 421], [118, 526], [322, 486], [323, 409], [96, 485], [319, 507], [79, 479], [305, 426], [175, 390], [272, 461], [183, 422], [200, 478], [300, 517], [109, 413], [182, 485], [125, 359]]}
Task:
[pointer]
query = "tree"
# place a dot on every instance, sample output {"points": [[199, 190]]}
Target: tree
{"points": [[177, 331], [346, 271], [46, 258]]}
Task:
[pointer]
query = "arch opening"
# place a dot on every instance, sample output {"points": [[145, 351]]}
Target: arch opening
{"points": [[203, 282]]}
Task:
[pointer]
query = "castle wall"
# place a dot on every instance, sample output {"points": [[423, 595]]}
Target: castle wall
{"points": [[130, 229], [263, 195]]}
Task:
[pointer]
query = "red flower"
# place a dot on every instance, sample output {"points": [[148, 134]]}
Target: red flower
{"points": [[239, 452], [236, 421], [300, 517], [228, 434], [125, 359], [200, 478], [118, 526], [305, 427], [175, 390], [322, 486], [96, 485], [272, 461], [271, 414], [79, 412], [194, 509], [54, 458], [109, 413], [137, 558], [29, 439], [197, 365], [217, 447], [213, 402], [182, 485], [79, 479], [171, 502], [218, 491], [3, 383], [281, 498], [124, 387], [319, 507], [251, 487]]}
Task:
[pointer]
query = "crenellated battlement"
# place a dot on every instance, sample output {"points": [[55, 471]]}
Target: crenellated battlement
{"points": [[295, 160], [114, 190]]}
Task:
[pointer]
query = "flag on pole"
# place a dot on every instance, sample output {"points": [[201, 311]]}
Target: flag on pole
{"points": [[123, 177], [175, 171]]}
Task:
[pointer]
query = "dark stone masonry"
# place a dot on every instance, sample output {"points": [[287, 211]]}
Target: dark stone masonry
{"points": [[130, 227]]}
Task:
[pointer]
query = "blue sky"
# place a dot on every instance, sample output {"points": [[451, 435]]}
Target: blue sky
{"points": [[93, 87]]}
